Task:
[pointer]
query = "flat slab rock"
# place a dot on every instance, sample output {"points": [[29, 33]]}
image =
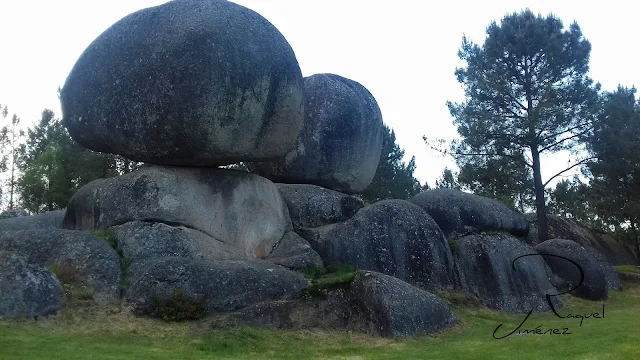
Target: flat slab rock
{"points": [[458, 212], [27, 289], [46, 220], [373, 303], [189, 82], [393, 237], [225, 285], [242, 210], [84, 258], [341, 138], [486, 263]]}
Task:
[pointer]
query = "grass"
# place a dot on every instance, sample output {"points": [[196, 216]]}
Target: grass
{"points": [[113, 333], [331, 277], [627, 268]]}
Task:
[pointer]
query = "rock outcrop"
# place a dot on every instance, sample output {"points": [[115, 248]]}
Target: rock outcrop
{"points": [[313, 206], [340, 142], [239, 209], [47, 220], [393, 237], [486, 262], [560, 227], [190, 82], [594, 284], [458, 212], [373, 303], [224, 285], [26, 289], [82, 258]]}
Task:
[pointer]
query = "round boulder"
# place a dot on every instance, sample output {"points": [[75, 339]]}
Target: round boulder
{"points": [[340, 143], [190, 82], [27, 289], [458, 212], [594, 285]]}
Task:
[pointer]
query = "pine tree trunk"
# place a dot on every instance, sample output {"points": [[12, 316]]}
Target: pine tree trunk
{"points": [[541, 213]]}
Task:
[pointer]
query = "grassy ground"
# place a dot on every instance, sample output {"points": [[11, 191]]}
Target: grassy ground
{"points": [[115, 334], [627, 268]]}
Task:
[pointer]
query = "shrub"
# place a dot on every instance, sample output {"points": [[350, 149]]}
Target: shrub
{"points": [[332, 277], [179, 307]]}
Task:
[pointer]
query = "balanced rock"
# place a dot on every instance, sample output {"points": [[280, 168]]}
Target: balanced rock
{"points": [[393, 237], [224, 285], [189, 82], [27, 289], [313, 206], [594, 284], [341, 139], [46, 220], [462, 213], [373, 303], [79, 257], [486, 262]]}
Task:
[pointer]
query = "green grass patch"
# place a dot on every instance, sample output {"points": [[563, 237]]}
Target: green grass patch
{"points": [[627, 268], [100, 334], [179, 307], [460, 298], [324, 279]]}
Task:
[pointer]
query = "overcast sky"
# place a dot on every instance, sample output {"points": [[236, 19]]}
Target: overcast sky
{"points": [[404, 52]]}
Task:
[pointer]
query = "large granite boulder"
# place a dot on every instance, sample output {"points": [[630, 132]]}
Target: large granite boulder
{"points": [[610, 275], [561, 227], [189, 82], [27, 290], [46, 220], [594, 286], [462, 213], [373, 303], [78, 256], [393, 237], [486, 262], [224, 285], [313, 206], [340, 142], [237, 208]]}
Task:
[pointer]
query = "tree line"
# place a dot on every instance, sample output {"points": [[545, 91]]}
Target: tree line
{"points": [[528, 93]]}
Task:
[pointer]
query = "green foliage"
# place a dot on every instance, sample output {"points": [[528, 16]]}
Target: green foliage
{"points": [[527, 93], [453, 245], [324, 279], [448, 180], [179, 307], [10, 148], [627, 268], [615, 144], [54, 166], [393, 179], [66, 273]]}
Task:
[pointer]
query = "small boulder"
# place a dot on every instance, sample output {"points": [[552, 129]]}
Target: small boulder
{"points": [[46, 220], [13, 213], [141, 240], [27, 289], [458, 212], [313, 206], [486, 262], [295, 252], [340, 142], [190, 82], [594, 285], [393, 237], [78, 256], [610, 275], [224, 285]]}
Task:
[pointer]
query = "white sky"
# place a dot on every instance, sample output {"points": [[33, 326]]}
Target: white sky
{"points": [[404, 52]]}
